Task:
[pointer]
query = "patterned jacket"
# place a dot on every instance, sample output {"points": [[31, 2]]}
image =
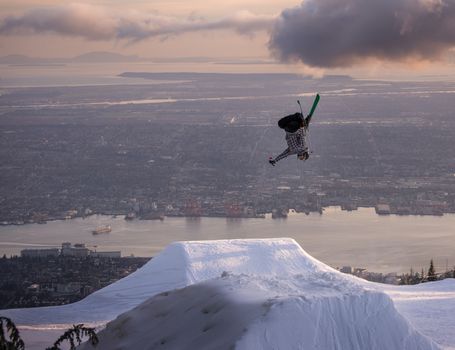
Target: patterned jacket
{"points": [[296, 141]]}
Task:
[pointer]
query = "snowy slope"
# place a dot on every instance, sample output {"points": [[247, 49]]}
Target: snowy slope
{"points": [[267, 279], [180, 264], [430, 308], [307, 311]]}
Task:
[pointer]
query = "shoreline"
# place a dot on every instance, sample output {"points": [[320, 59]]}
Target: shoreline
{"points": [[163, 216], [334, 237]]}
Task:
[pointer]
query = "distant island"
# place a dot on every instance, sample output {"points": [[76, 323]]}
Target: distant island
{"points": [[113, 57], [90, 57]]}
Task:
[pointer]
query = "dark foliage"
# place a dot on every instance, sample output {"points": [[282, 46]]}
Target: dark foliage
{"points": [[431, 272], [9, 340], [74, 335]]}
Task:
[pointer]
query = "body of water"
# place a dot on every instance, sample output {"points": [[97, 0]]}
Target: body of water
{"points": [[358, 238]]}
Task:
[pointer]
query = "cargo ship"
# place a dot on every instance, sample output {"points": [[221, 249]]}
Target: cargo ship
{"points": [[102, 229]]}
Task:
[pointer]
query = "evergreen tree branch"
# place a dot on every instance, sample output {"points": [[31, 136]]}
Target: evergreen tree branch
{"points": [[75, 335], [14, 342]]}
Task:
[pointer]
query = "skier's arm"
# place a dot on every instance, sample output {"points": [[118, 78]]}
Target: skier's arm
{"points": [[306, 121]]}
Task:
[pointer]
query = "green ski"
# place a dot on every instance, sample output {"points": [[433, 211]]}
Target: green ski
{"points": [[315, 103]]}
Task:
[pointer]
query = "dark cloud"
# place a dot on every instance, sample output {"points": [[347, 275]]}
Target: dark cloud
{"points": [[100, 23], [340, 33]]}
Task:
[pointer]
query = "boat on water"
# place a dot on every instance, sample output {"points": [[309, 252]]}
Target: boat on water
{"points": [[280, 213], [130, 216], [102, 229]]}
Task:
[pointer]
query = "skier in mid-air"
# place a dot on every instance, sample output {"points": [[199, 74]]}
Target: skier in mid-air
{"points": [[296, 128]]}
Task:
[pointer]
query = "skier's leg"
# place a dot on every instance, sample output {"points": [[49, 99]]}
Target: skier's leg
{"points": [[283, 155]]}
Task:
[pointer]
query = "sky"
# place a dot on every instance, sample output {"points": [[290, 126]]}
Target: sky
{"points": [[214, 43], [326, 35]]}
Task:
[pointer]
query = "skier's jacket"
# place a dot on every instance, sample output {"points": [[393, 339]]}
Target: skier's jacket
{"points": [[296, 141], [296, 127]]}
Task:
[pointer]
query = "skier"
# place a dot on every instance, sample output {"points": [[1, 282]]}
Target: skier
{"points": [[296, 128]]}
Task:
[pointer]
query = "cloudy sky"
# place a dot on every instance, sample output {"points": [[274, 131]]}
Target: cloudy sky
{"points": [[146, 28], [322, 34]]}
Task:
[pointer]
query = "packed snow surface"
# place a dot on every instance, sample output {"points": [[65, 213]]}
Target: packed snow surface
{"points": [[316, 311], [254, 294]]}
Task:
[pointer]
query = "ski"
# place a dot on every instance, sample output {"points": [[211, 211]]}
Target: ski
{"points": [[315, 104]]}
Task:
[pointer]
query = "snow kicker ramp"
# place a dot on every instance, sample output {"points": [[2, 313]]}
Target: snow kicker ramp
{"points": [[180, 264], [247, 294], [247, 312]]}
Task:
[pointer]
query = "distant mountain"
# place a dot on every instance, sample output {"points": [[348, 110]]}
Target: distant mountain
{"points": [[21, 59], [112, 57], [90, 57], [104, 57]]}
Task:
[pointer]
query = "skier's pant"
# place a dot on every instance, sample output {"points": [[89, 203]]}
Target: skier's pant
{"points": [[284, 154]]}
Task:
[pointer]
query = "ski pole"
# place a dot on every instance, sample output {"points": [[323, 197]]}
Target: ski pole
{"points": [[307, 132], [301, 112]]}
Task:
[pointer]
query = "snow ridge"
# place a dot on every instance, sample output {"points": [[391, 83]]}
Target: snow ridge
{"points": [[261, 294], [257, 312], [246, 294]]}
